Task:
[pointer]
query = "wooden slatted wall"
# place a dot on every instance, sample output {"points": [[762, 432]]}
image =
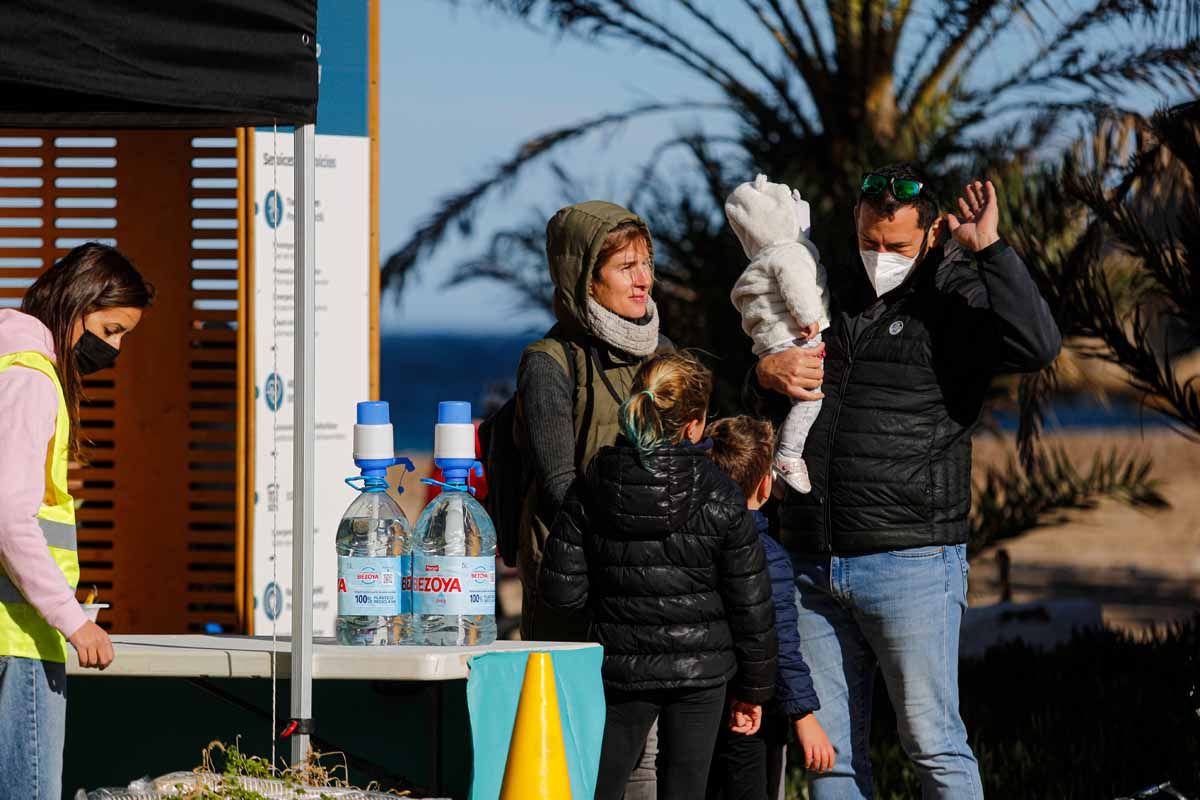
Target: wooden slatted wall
{"points": [[214, 571], [161, 531]]}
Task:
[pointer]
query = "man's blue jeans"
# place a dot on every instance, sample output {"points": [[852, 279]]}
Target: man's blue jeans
{"points": [[33, 708], [901, 612]]}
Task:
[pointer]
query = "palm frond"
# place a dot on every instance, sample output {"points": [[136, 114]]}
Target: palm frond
{"points": [[1107, 73], [1181, 17], [1128, 343], [649, 174], [970, 18], [811, 26], [806, 56], [1010, 501], [776, 81], [514, 257], [1166, 280], [457, 210]]}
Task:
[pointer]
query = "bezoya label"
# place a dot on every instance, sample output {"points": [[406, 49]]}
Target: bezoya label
{"points": [[374, 587], [454, 585]]}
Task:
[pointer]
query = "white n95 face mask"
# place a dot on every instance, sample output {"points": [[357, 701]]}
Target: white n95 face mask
{"points": [[886, 270]]}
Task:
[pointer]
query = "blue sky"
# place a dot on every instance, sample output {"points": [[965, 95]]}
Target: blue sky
{"points": [[460, 88]]}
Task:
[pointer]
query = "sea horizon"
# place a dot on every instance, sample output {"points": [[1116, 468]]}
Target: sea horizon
{"points": [[417, 370]]}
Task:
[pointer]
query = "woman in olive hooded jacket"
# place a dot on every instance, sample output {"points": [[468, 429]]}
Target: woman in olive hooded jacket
{"points": [[572, 382]]}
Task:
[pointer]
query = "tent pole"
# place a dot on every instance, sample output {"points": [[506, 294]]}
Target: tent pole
{"points": [[304, 442]]}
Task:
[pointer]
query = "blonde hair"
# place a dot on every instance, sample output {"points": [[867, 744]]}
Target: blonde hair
{"points": [[669, 391]]}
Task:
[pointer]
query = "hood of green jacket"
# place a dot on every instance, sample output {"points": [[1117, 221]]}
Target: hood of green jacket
{"points": [[574, 238]]}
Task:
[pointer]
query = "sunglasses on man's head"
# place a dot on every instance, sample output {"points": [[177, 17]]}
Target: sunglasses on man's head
{"points": [[903, 189]]}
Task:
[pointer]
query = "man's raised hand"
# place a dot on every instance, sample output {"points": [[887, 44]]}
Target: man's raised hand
{"points": [[978, 224]]}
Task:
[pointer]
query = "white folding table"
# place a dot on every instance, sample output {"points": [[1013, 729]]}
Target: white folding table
{"points": [[200, 656]]}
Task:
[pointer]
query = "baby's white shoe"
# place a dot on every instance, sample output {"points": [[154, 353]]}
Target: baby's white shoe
{"points": [[794, 472]]}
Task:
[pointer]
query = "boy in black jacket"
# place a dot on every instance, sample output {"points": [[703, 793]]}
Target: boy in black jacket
{"points": [[751, 767]]}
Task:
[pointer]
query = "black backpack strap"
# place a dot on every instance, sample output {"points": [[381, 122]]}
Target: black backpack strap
{"points": [[604, 375], [570, 357]]}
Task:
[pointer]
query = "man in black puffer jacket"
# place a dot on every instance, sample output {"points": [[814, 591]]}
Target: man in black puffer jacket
{"points": [[920, 329], [668, 561]]}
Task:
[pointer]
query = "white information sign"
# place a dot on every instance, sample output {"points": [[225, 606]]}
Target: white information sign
{"points": [[343, 361]]}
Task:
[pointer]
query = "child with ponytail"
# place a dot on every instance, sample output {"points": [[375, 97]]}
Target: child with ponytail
{"points": [[656, 542]]}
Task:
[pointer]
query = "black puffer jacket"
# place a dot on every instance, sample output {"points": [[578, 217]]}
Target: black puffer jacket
{"points": [[667, 559], [905, 380]]}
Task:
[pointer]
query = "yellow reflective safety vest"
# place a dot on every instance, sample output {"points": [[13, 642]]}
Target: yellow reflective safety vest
{"points": [[23, 631]]}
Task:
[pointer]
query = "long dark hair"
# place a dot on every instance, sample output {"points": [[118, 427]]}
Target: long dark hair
{"points": [[91, 277]]}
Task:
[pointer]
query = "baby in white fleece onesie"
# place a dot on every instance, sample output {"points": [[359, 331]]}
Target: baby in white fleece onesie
{"points": [[781, 296]]}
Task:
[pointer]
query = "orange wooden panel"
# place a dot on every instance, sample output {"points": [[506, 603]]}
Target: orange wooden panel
{"points": [[142, 541]]}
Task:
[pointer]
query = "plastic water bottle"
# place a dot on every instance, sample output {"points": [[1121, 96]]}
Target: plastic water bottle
{"points": [[374, 544], [374, 551], [454, 550]]}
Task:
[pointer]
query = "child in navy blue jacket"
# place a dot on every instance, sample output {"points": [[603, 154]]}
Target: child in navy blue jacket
{"points": [[751, 767]]}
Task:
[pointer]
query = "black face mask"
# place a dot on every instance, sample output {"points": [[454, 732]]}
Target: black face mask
{"points": [[93, 354]]}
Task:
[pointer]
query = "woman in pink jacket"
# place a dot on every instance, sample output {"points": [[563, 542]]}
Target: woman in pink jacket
{"points": [[71, 323]]}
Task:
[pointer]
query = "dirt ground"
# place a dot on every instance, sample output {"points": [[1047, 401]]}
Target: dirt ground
{"points": [[1143, 567]]}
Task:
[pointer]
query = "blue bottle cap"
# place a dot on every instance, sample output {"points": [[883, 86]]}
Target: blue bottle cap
{"points": [[454, 412], [374, 412]]}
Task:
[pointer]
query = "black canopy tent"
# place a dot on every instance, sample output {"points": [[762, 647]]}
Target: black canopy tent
{"points": [[192, 63], [153, 64]]}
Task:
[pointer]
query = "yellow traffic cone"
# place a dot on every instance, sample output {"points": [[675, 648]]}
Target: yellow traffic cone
{"points": [[537, 758]]}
